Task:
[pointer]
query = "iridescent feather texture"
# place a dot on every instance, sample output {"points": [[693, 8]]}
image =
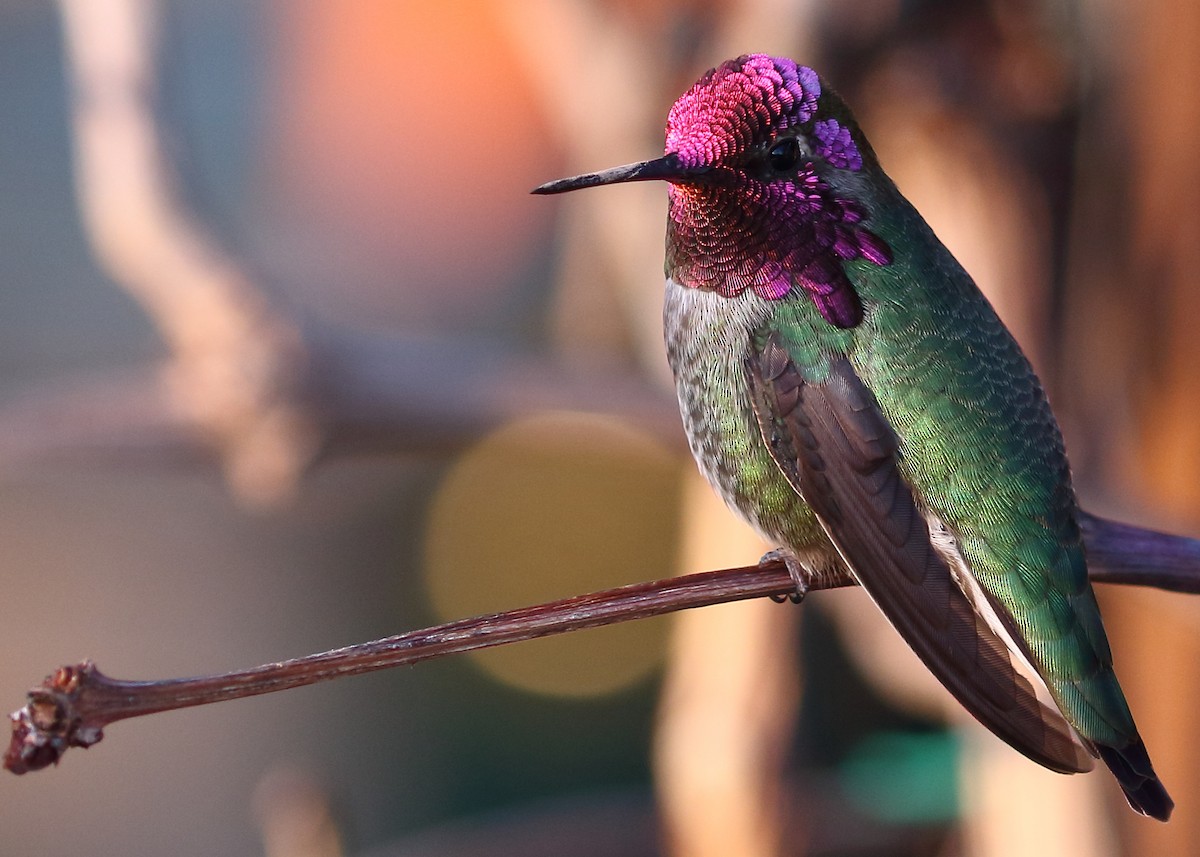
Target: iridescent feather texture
{"points": [[849, 391], [783, 234]]}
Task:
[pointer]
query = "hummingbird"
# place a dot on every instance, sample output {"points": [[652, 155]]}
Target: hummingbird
{"points": [[849, 391]]}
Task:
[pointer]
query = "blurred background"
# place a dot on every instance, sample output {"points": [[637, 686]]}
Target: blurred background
{"points": [[292, 360]]}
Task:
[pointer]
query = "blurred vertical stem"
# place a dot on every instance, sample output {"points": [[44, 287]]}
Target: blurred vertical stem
{"points": [[236, 361]]}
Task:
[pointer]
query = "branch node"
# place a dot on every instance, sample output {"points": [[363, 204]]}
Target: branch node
{"points": [[50, 722]]}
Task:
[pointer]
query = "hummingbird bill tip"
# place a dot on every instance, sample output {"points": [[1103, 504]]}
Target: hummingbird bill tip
{"points": [[556, 186], [667, 168]]}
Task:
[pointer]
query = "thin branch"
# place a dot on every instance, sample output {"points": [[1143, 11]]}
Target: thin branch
{"points": [[1123, 553], [72, 706], [248, 383]]}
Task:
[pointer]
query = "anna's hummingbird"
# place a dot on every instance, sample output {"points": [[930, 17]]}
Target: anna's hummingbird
{"points": [[849, 391]]}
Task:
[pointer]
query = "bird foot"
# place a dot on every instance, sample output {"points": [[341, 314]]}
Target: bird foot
{"points": [[795, 568]]}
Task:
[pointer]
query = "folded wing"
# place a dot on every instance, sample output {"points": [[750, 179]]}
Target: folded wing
{"points": [[836, 447]]}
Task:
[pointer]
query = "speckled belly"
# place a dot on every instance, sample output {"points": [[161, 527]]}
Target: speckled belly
{"points": [[707, 336]]}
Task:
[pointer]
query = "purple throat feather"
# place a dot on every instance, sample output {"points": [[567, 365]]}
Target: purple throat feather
{"points": [[796, 233]]}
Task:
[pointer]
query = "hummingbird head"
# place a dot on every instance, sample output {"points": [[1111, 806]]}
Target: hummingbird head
{"points": [[763, 165]]}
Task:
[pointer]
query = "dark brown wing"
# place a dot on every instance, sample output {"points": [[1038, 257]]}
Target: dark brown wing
{"points": [[839, 452]]}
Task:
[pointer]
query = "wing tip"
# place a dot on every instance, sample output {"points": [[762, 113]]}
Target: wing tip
{"points": [[1073, 758], [1059, 749]]}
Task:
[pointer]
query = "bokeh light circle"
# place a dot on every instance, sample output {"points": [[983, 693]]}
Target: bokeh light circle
{"points": [[547, 507]]}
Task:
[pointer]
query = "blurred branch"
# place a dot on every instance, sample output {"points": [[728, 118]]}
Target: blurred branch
{"points": [[247, 386], [234, 377], [367, 394], [295, 815], [72, 706]]}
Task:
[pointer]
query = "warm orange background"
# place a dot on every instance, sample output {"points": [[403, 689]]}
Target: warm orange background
{"points": [[371, 160]]}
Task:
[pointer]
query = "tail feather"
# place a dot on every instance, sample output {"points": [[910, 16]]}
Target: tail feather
{"points": [[1123, 553], [1131, 766]]}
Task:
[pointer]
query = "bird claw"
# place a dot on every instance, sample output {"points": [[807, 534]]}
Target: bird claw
{"points": [[795, 568]]}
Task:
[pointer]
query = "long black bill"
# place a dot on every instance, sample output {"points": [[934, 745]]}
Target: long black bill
{"points": [[666, 168]]}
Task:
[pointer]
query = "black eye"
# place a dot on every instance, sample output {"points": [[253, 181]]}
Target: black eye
{"points": [[784, 155]]}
